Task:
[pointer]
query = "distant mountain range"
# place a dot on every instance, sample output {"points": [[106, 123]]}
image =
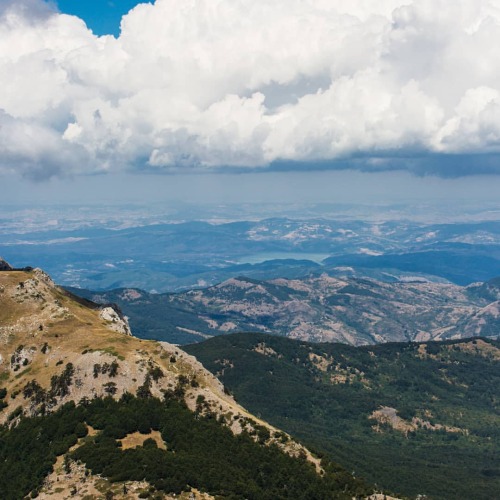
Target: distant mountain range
{"points": [[182, 256], [315, 308]]}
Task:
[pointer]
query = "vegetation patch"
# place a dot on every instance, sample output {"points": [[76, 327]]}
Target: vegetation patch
{"points": [[59, 388], [3, 395], [107, 350], [200, 453]]}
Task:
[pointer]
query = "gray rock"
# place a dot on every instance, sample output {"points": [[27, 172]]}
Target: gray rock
{"points": [[4, 266]]}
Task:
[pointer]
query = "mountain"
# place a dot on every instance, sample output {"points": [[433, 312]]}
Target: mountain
{"points": [[4, 266], [420, 419], [314, 308], [489, 291], [101, 253], [460, 264], [90, 411]]}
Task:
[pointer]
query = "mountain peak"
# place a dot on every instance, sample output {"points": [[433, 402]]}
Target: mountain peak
{"points": [[4, 265], [44, 330]]}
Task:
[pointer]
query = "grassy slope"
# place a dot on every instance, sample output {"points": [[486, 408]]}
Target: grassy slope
{"points": [[454, 384]]}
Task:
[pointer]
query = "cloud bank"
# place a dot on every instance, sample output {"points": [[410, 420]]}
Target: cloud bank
{"points": [[253, 84]]}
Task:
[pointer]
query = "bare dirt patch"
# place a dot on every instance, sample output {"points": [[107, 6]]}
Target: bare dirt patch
{"points": [[137, 439], [389, 416]]}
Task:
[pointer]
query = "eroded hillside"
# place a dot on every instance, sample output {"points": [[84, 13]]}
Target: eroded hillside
{"points": [[316, 308]]}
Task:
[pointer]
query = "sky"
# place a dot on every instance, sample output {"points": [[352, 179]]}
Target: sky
{"points": [[286, 100], [101, 16]]}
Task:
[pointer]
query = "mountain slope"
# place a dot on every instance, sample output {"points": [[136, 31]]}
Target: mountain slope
{"points": [[314, 308], [414, 418], [57, 350]]}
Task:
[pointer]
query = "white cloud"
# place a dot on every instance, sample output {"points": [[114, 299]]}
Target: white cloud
{"points": [[243, 83]]}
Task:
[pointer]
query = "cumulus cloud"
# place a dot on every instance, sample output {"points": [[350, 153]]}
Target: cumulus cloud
{"points": [[210, 84]]}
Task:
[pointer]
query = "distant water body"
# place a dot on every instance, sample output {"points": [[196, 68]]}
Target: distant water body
{"points": [[258, 258]]}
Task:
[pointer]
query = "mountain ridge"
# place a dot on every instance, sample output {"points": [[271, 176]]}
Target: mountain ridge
{"points": [[318, 308]]}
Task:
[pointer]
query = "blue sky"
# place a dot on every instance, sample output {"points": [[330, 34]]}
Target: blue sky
{"points": [[101, 16], [404, 94]]}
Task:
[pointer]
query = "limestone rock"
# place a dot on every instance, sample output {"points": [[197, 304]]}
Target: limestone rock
{"points": [[117, 323]]}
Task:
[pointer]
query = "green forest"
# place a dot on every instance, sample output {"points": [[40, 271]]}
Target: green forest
{"points": [[201, 453], [455, 384]]}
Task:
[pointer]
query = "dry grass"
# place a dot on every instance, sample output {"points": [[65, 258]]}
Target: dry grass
{"points": [[137, 439]]}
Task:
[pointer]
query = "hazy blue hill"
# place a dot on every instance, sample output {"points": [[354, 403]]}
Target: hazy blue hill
{"points": [[446, 396], [461, 268], [150, 256]]}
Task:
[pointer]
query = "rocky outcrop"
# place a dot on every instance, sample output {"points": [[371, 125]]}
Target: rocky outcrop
{"points": [[388, 416], [4, 265], [116, 322]]}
